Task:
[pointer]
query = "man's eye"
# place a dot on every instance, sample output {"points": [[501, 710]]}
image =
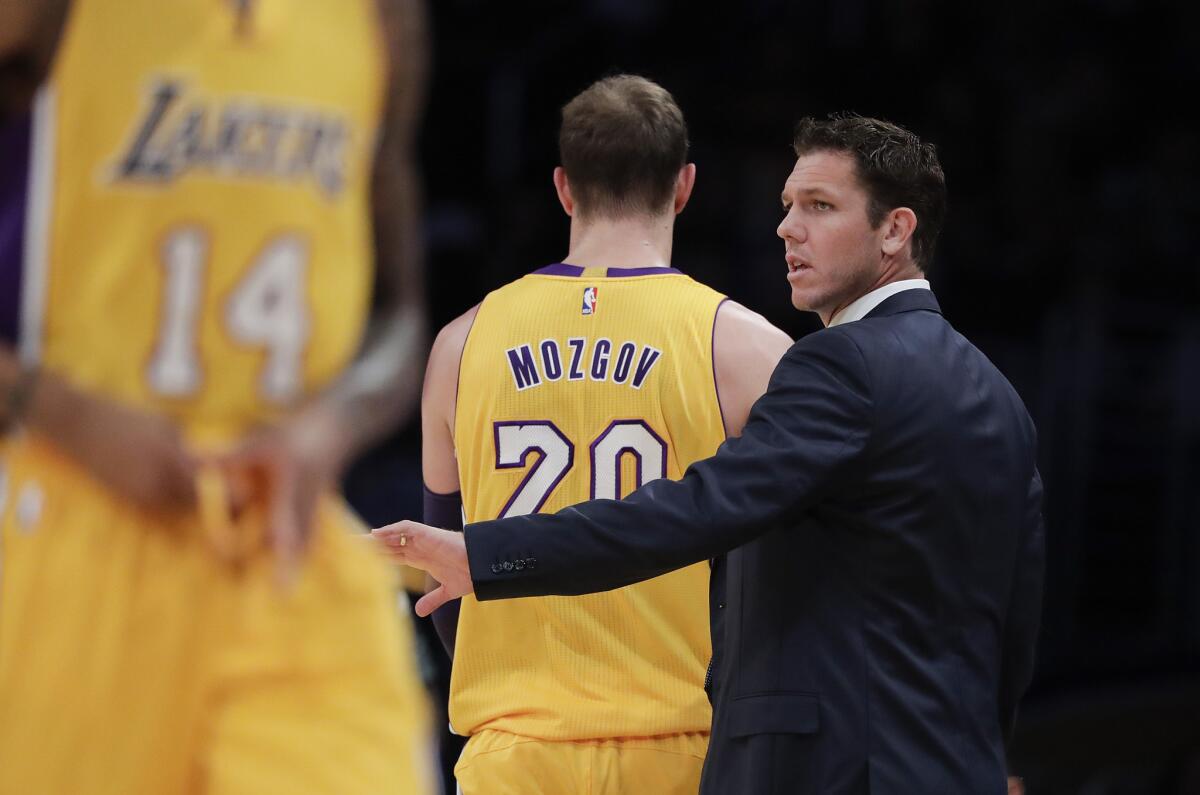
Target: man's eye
{"points": [[820, 205]]}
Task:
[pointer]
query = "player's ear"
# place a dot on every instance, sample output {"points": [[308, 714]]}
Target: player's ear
{"points": [[683, 186], [563, 189]]}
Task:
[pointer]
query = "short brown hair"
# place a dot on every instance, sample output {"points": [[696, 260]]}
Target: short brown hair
{"points": [[622, 143], [894, 166]]}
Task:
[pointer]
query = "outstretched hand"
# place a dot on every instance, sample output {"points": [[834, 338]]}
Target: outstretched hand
{"points": [[442, 553]]}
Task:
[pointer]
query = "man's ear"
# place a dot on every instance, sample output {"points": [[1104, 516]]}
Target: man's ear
{"points": [[683, 186], [563, 188], [898, 228]]}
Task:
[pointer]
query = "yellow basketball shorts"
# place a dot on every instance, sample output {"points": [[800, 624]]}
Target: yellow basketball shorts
{"points": [[134, 662], [499, 763]]}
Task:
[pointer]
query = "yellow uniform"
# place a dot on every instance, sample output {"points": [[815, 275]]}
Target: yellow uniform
{"points": [[580, 383], [198, 245]]}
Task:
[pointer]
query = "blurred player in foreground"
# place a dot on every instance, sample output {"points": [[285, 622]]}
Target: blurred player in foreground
{"points": [[587, 378], [186, 365]]}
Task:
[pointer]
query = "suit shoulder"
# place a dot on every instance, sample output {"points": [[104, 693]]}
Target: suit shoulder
{"points": [[839, 342], [830, 352]]}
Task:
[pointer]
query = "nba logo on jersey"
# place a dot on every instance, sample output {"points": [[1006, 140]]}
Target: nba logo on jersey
{"points": [[589, 301]]}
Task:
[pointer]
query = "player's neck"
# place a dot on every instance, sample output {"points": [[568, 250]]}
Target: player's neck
{"points": [[621, 243]]}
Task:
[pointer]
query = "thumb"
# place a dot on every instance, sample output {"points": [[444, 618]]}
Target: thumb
{"points": [[432, 601]]}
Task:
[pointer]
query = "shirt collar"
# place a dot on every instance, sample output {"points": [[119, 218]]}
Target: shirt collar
{"points": [[862, 306]]}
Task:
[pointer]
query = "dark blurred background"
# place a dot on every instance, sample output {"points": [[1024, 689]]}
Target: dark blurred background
{"points": [[1068, 257]]}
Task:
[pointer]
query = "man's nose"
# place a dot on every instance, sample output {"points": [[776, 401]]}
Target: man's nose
{"points": [[790, 227]]}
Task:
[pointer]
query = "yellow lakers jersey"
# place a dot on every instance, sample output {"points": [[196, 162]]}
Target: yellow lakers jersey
{"points": [[199, 208], [577, 384]]}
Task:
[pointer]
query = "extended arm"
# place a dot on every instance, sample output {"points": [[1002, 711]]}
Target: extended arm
{"points": [[381, 386], [813, 422]]}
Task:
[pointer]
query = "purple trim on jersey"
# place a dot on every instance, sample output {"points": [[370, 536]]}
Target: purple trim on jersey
{"points": [[461, 354], [563, 269], [617, 272], [536, 466], [559, 269], [716, 384], [15, 146]]}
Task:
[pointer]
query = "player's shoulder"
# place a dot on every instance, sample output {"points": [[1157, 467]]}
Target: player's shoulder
{"points": [[452, 336], [746, 346], [740, 324], [441, 372], [523, 291], [448, 346]]}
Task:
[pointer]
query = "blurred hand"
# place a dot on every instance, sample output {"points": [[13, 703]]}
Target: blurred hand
{"points": [[138, 455], [442, 553], [1016, 785], [284, 470]]}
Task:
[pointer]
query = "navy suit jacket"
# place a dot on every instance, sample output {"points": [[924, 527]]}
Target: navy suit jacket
{"points": [[876, 611]]}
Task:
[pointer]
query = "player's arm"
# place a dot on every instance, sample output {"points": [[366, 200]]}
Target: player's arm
{"points": [[439, 465], [746, 349], [290, 465], [439, 396], [137, 455], [380, 388], [29, 32]]}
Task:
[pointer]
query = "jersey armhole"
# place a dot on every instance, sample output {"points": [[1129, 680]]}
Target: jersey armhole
{"points": [[713, 355], [462, 354]]}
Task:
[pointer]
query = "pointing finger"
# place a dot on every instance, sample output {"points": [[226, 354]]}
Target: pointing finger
{"points": [[432, 601]]}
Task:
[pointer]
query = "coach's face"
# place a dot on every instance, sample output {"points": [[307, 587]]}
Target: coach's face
{"points": [[833, 254]]}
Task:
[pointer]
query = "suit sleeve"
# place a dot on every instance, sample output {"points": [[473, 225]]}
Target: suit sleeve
{"points": [[1024, 611], [811, 425]]}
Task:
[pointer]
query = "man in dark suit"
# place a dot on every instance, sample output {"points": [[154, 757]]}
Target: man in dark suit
{"points": [[876, 606]]}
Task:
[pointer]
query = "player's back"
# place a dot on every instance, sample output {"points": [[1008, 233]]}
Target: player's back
{"points": [[575, 384], [197, 239]]}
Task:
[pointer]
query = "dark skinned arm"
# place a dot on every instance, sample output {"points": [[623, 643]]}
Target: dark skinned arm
{"points": [[289, 465]]}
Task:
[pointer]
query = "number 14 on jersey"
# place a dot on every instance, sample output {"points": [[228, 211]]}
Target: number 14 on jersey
{"points": [[267, 309]]}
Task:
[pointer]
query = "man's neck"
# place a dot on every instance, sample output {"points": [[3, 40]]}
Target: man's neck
{"points": [[892, 272], [621, 243]]}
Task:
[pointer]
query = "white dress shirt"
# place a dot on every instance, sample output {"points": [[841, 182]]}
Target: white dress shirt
{"points": [[862, 306]]}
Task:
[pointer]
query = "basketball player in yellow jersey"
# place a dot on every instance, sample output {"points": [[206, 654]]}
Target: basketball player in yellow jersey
{"points": [[186, 364], [581, 380]]}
